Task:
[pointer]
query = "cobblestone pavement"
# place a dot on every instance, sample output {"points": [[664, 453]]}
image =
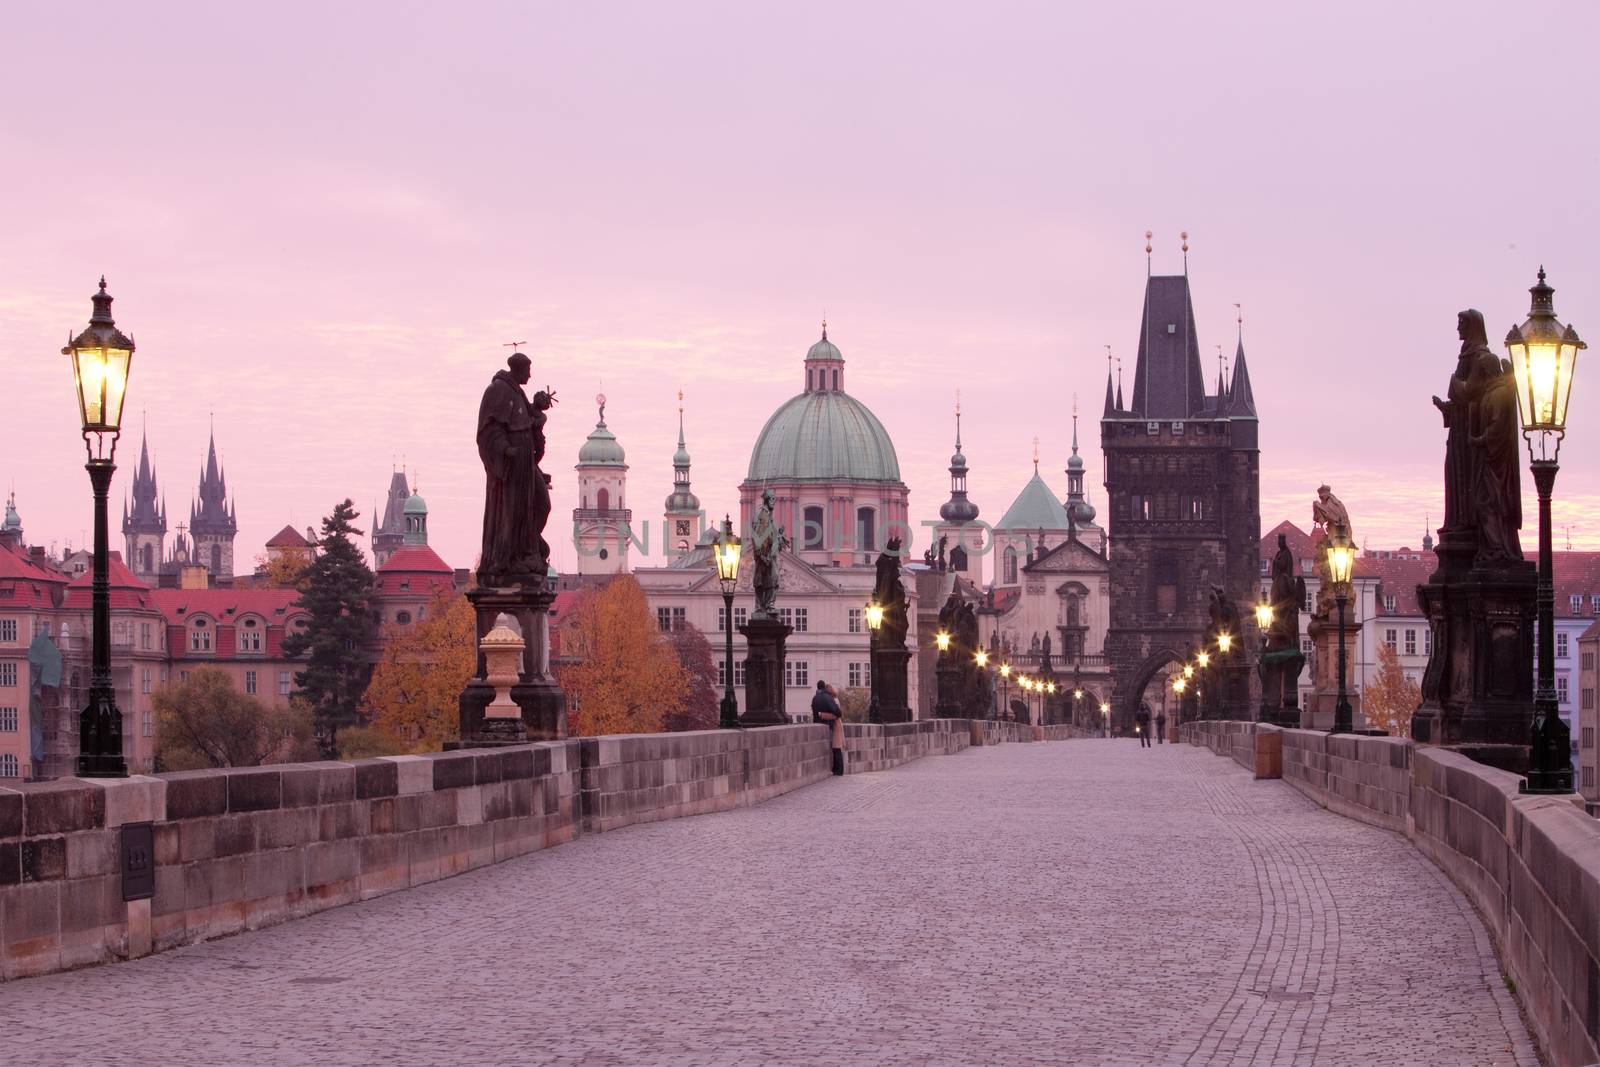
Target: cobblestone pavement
{"points": [[1085, 902]]}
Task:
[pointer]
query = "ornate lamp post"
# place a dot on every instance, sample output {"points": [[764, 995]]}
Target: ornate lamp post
{"points": [[1005, 690], [1544, 355], [1341, 557], [725, 553], [980, 659], [874, 614], [101, 356], [1105, 717]]}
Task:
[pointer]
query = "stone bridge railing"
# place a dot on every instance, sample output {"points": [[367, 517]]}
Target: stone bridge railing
{"points": [[1530, 864], [239, 849]]}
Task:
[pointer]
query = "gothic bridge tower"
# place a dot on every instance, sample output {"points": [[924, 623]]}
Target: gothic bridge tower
{"points": [[1182, 474]]}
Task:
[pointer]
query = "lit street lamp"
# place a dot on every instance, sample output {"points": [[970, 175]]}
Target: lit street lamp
{"points": [[725, 553], [1544, 355], [1225, 643], [1005, 690], [1105, 717], [101, 356], [1341, 558], [981, 659], [874, 614]]}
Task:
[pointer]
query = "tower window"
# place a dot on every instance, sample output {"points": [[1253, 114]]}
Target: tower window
{"points": [[835, 380], [811, 528], [602, 500], [145, 559], [866, 529], [1010, 565]]}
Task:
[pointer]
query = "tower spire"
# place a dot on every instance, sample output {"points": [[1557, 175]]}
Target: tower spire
{"points": [[1185, 236], [1149, 248], [958, 420]]}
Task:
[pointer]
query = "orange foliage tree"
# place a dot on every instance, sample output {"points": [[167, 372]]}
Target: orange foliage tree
{"points": [[413, 695], [1390, 698], [624, 676]]}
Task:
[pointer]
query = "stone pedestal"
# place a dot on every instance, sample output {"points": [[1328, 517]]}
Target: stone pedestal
{"points": [[1318, 713], [763, 672], [1478, 688], [947, 677], [1280, 675], [543, 704], [890, 683]]}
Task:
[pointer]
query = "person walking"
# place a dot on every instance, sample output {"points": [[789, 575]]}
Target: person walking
{"points": [[1141, 725], [825, 709], [1161, 727]]}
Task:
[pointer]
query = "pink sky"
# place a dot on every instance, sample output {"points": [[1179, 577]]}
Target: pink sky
{"points": [[321, 221]]}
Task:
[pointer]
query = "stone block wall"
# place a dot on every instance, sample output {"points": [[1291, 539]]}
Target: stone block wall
{"points": [[1529, 864], [238, 849]]}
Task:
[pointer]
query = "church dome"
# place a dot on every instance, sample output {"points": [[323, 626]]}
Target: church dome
{"points": [[415, 505], [824, 435], [1082, 512], [601, 448]]}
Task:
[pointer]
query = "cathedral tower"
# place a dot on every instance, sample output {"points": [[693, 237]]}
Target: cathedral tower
{"points": [[212, 521], [144, 523], [390, 534], [1182, 476], [958, 519], [682, 519]]}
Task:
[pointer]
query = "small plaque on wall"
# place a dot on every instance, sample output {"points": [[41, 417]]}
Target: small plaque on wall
{"points": [[138, 861]]}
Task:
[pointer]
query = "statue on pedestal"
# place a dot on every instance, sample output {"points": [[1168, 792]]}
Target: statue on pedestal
{"points": [[517, 494], [767, 542], [1328, 516], [1494, 442], [889, 593]]}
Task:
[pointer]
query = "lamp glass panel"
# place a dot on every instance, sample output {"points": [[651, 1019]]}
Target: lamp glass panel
{"points": [[116, 384], [88, 365], [1566, 363]]}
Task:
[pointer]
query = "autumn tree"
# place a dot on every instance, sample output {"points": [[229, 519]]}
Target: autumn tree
{"points": [[701, 707], [855, 703], [1390, 698], [413, 695], [203, 721], [624, 675], [283, 570], [337, 593]]}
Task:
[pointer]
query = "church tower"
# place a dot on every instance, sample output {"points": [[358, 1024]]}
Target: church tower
{"points": [[958, 519], [1079, 510], [416, 519], [1182, 477], [602, 523], [212, 522], [144, 523], [390, 534], [682, 519]]}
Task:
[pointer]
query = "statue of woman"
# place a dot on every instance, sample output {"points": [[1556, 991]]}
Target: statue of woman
{"points": [[1459, 411]]}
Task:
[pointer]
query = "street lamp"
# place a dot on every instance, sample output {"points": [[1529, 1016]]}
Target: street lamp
{"points": [[981, 659], [101, 356], [1005, 690], [1264, 615], [1105, 715], [942, 639], [1203, 659], [1225, 643], [1178, 685], [1188, 671], [874, 614], [1544, 355], [725, 553], [1341, 558]]}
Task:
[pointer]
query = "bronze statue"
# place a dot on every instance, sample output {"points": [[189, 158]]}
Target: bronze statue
{"points": [[1288, 593], [1458, 410], [1494, 442], [767, 541], [889, 593], [517, 494]]}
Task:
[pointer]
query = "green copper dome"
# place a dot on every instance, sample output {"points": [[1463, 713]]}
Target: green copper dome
{"points": [[601, 448], [824, 435], [415, 505]]}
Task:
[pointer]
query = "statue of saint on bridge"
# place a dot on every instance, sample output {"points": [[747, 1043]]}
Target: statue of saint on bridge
{"points": [[517, 494]]}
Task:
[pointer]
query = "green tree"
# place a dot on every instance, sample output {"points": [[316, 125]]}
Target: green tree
{"points": [[203, 721], [337, 592]]}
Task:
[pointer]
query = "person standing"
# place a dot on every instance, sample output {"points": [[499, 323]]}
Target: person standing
{"points": [[825, 709], [1161, 726], [1141, 725]]}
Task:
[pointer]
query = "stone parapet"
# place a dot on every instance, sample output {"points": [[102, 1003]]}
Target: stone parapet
{"points": [[1529, 864], [242, 848]]}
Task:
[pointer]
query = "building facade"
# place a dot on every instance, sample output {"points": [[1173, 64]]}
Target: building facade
{"points": [[1588, 721]]}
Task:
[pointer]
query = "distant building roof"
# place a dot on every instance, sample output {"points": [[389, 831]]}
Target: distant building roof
{"points": [[288, 537], [224, 604], [1036, 508], [415, 559]]}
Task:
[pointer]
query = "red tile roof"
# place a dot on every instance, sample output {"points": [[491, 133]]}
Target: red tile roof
{"points": [[1398, 578], [128, 593], [275, 605], [416, 559], [1300, 544], [1592, 633], [26, 584], [1575, 574], [288, 537]]}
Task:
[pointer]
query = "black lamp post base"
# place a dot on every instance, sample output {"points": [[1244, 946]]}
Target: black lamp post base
{"points": [[728, 718]]}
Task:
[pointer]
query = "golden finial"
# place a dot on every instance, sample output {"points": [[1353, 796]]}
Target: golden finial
{"points": [[1148, 247], [1036, 453], [1185, 236]]}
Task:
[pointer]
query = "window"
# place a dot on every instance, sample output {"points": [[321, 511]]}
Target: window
{"points": [[1588, 661], [1594, 603], [1311, 598], [283, 683], [866, 529], [796, 673], [250, 635], [144, 635], [8, 720], [1388, 603], [722, 673], [1389, 639], [811, 528], [859, 675], [739, 616], [795, 617], [8, 765], [602, 500], [1010, 565], [1561, 688], [1166, 585], [1576, 601], [1561, 644], [8, 674], [402, 618], [1266, 567], [200, 637], [1427, 642], [8, 631], [670, 618], [183, 676], [854, 625], [1588, 777], [144, 680], [145, 724], [1588, 737], [1588, 701], [250, 682], [1411, 642]]}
